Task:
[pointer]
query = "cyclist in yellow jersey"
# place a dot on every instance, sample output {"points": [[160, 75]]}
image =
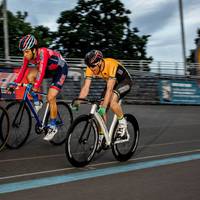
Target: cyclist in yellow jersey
{"points": [[119, 83]]}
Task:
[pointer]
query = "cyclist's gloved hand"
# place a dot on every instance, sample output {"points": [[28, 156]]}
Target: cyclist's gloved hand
{"points": [[102, 110], [11, 86], [75, 106]]}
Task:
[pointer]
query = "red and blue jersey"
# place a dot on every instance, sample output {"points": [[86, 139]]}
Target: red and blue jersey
{"points": [[46, 60]]}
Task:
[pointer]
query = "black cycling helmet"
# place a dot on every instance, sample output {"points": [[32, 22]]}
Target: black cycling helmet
{"points": [[27, 42], [92, 57]]}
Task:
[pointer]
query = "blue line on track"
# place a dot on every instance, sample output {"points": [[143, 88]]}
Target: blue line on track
{"points": [[42, 182]]}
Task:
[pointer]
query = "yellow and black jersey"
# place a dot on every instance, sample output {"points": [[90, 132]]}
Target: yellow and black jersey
{"points": [[113, 69]]}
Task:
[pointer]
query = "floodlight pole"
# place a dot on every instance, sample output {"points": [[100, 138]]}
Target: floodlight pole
{"points": [[5, 29], [182, 35]]}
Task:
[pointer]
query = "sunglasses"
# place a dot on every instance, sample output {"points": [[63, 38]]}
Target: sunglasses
{"points": [[94, 65]]}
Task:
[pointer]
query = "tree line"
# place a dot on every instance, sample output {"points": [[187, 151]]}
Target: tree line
{"points": [[100, 24], [192, 56]]}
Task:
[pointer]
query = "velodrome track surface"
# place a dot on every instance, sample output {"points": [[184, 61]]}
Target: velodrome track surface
{"points": [[165, 166]]}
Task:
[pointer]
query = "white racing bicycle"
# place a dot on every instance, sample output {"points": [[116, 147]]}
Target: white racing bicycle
{"points": [[82, 137]]}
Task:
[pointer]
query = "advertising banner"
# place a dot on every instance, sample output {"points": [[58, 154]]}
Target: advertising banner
{"points": [[7, 77], [179, 92]]}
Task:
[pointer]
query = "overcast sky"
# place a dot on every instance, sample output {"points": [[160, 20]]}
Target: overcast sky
{"points": [[158, 18]]}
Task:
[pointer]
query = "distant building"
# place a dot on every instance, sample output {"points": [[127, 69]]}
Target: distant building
{"points": [[197, 57]]}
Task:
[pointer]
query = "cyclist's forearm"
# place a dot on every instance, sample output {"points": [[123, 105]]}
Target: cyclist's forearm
{"points": [[109, 92], [84, 92], [85, 89], [107, 97], [22, 71]]}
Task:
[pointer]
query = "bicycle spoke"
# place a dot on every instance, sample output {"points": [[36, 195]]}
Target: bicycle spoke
{"points": [[125, 148], [64, 120], [81, 142], [4, 127], [20, 119]]}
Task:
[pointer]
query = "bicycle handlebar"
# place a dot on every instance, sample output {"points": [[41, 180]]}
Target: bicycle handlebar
{"points": [[23, 84], [30, 86]]}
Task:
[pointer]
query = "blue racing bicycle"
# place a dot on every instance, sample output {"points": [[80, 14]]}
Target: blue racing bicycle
{"points": [[21, 120]]}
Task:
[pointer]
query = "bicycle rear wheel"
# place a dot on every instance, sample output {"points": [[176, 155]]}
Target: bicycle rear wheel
{"points": [[63, 120], [124, 150], [81, 141], [4, 127], [21, 122]]}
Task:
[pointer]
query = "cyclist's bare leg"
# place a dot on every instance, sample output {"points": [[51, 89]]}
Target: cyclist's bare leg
{"points": [[115, 106], [52, 129], [31, 79], [32, 75], [51, 98], [117, 109]]}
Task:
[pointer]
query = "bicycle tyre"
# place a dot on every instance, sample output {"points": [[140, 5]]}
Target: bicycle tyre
{"points": [[4, 127], [121, 153], [79, 138], [19, 132], [67, 117]]}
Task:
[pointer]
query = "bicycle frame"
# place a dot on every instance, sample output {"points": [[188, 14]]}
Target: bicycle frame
{"points": [[29, 104], [108, 133]]}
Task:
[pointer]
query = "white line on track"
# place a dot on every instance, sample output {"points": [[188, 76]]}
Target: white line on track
{"points": [[32, 158], [62, 154], [99, 164]]}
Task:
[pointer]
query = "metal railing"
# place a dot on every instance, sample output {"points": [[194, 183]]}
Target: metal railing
{"points": [[154, 67], [146, 80]]}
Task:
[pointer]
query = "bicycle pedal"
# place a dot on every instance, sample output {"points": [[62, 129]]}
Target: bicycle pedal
{"points": [[105, 147], [98, 150], [39, 130]]}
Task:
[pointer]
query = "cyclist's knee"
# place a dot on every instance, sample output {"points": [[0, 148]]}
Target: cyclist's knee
{"points": [[32, 75], [113, 103], [51, 97], [114, 100], [52, 94], [30, 78]]}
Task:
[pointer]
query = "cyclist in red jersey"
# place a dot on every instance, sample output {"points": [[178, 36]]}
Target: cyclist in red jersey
{"points": [[48, 63]]}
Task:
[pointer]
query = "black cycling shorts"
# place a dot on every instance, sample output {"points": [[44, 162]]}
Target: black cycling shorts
{"points": [[58, 76], [121, 89]]}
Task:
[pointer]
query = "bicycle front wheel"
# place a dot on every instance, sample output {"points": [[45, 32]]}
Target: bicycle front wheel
{"points": [[126, 148], [20, 121], [81, 141], [63, 122], [4, 127]]}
